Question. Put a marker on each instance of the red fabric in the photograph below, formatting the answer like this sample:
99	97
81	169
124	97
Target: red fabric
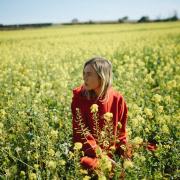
151	147
115	104
91	141
89	163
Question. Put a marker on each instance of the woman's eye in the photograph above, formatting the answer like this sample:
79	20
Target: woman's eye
87	75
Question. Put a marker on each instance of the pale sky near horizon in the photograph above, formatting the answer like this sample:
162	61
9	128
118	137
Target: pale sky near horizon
59	11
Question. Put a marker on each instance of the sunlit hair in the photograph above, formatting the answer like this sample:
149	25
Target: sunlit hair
103	68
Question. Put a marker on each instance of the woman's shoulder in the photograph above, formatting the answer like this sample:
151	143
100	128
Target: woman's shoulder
118	96
116	93
78	91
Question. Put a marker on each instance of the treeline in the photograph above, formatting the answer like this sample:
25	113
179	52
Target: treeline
125	19
147	19
23	26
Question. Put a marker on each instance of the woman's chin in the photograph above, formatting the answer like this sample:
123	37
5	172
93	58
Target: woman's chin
87	88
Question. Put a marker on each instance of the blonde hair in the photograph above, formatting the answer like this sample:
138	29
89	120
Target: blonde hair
103	68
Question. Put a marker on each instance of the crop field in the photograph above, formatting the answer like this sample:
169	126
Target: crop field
40	67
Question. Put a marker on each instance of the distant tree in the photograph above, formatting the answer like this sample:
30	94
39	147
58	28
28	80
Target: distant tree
120	20
123	19
158	19
90	22
144	19
174	17
74	21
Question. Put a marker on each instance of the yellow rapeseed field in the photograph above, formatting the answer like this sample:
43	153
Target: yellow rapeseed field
40	67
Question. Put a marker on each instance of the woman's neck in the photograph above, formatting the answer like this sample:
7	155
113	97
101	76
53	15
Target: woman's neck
97	91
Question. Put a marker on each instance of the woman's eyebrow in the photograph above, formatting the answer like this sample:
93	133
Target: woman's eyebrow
88	72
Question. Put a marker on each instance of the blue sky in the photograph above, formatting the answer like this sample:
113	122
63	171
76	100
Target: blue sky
59	11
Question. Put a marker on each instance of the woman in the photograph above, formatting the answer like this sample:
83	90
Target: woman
97	92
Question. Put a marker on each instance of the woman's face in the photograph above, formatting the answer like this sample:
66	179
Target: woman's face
91	79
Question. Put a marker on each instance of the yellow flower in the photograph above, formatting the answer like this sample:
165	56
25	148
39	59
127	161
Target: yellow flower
83	171
146	130
60	123
2	113
167	99
171	84
113	148
103	134
36	166
148	112
51	164
149	79
135	122
57	154
77	145
108	116
51	152
160	109
137	140
167	146
94	108
128	164
71	155
136	155
32	176
105	163
123	147
136	108
129	132
157	98
105	143
17	149
87	178
142	158
161	120
62	162
35	155
54	134
165	129
102	177
25	89
22	173
158	175
119	125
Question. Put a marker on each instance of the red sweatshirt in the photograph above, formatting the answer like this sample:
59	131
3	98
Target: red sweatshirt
115	104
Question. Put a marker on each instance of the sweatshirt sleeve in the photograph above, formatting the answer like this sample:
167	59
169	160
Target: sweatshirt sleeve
78	119
80	131
75	127
122	121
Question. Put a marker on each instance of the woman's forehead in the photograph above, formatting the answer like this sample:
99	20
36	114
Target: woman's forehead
88	68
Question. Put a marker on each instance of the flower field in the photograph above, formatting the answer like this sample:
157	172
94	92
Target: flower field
40	67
